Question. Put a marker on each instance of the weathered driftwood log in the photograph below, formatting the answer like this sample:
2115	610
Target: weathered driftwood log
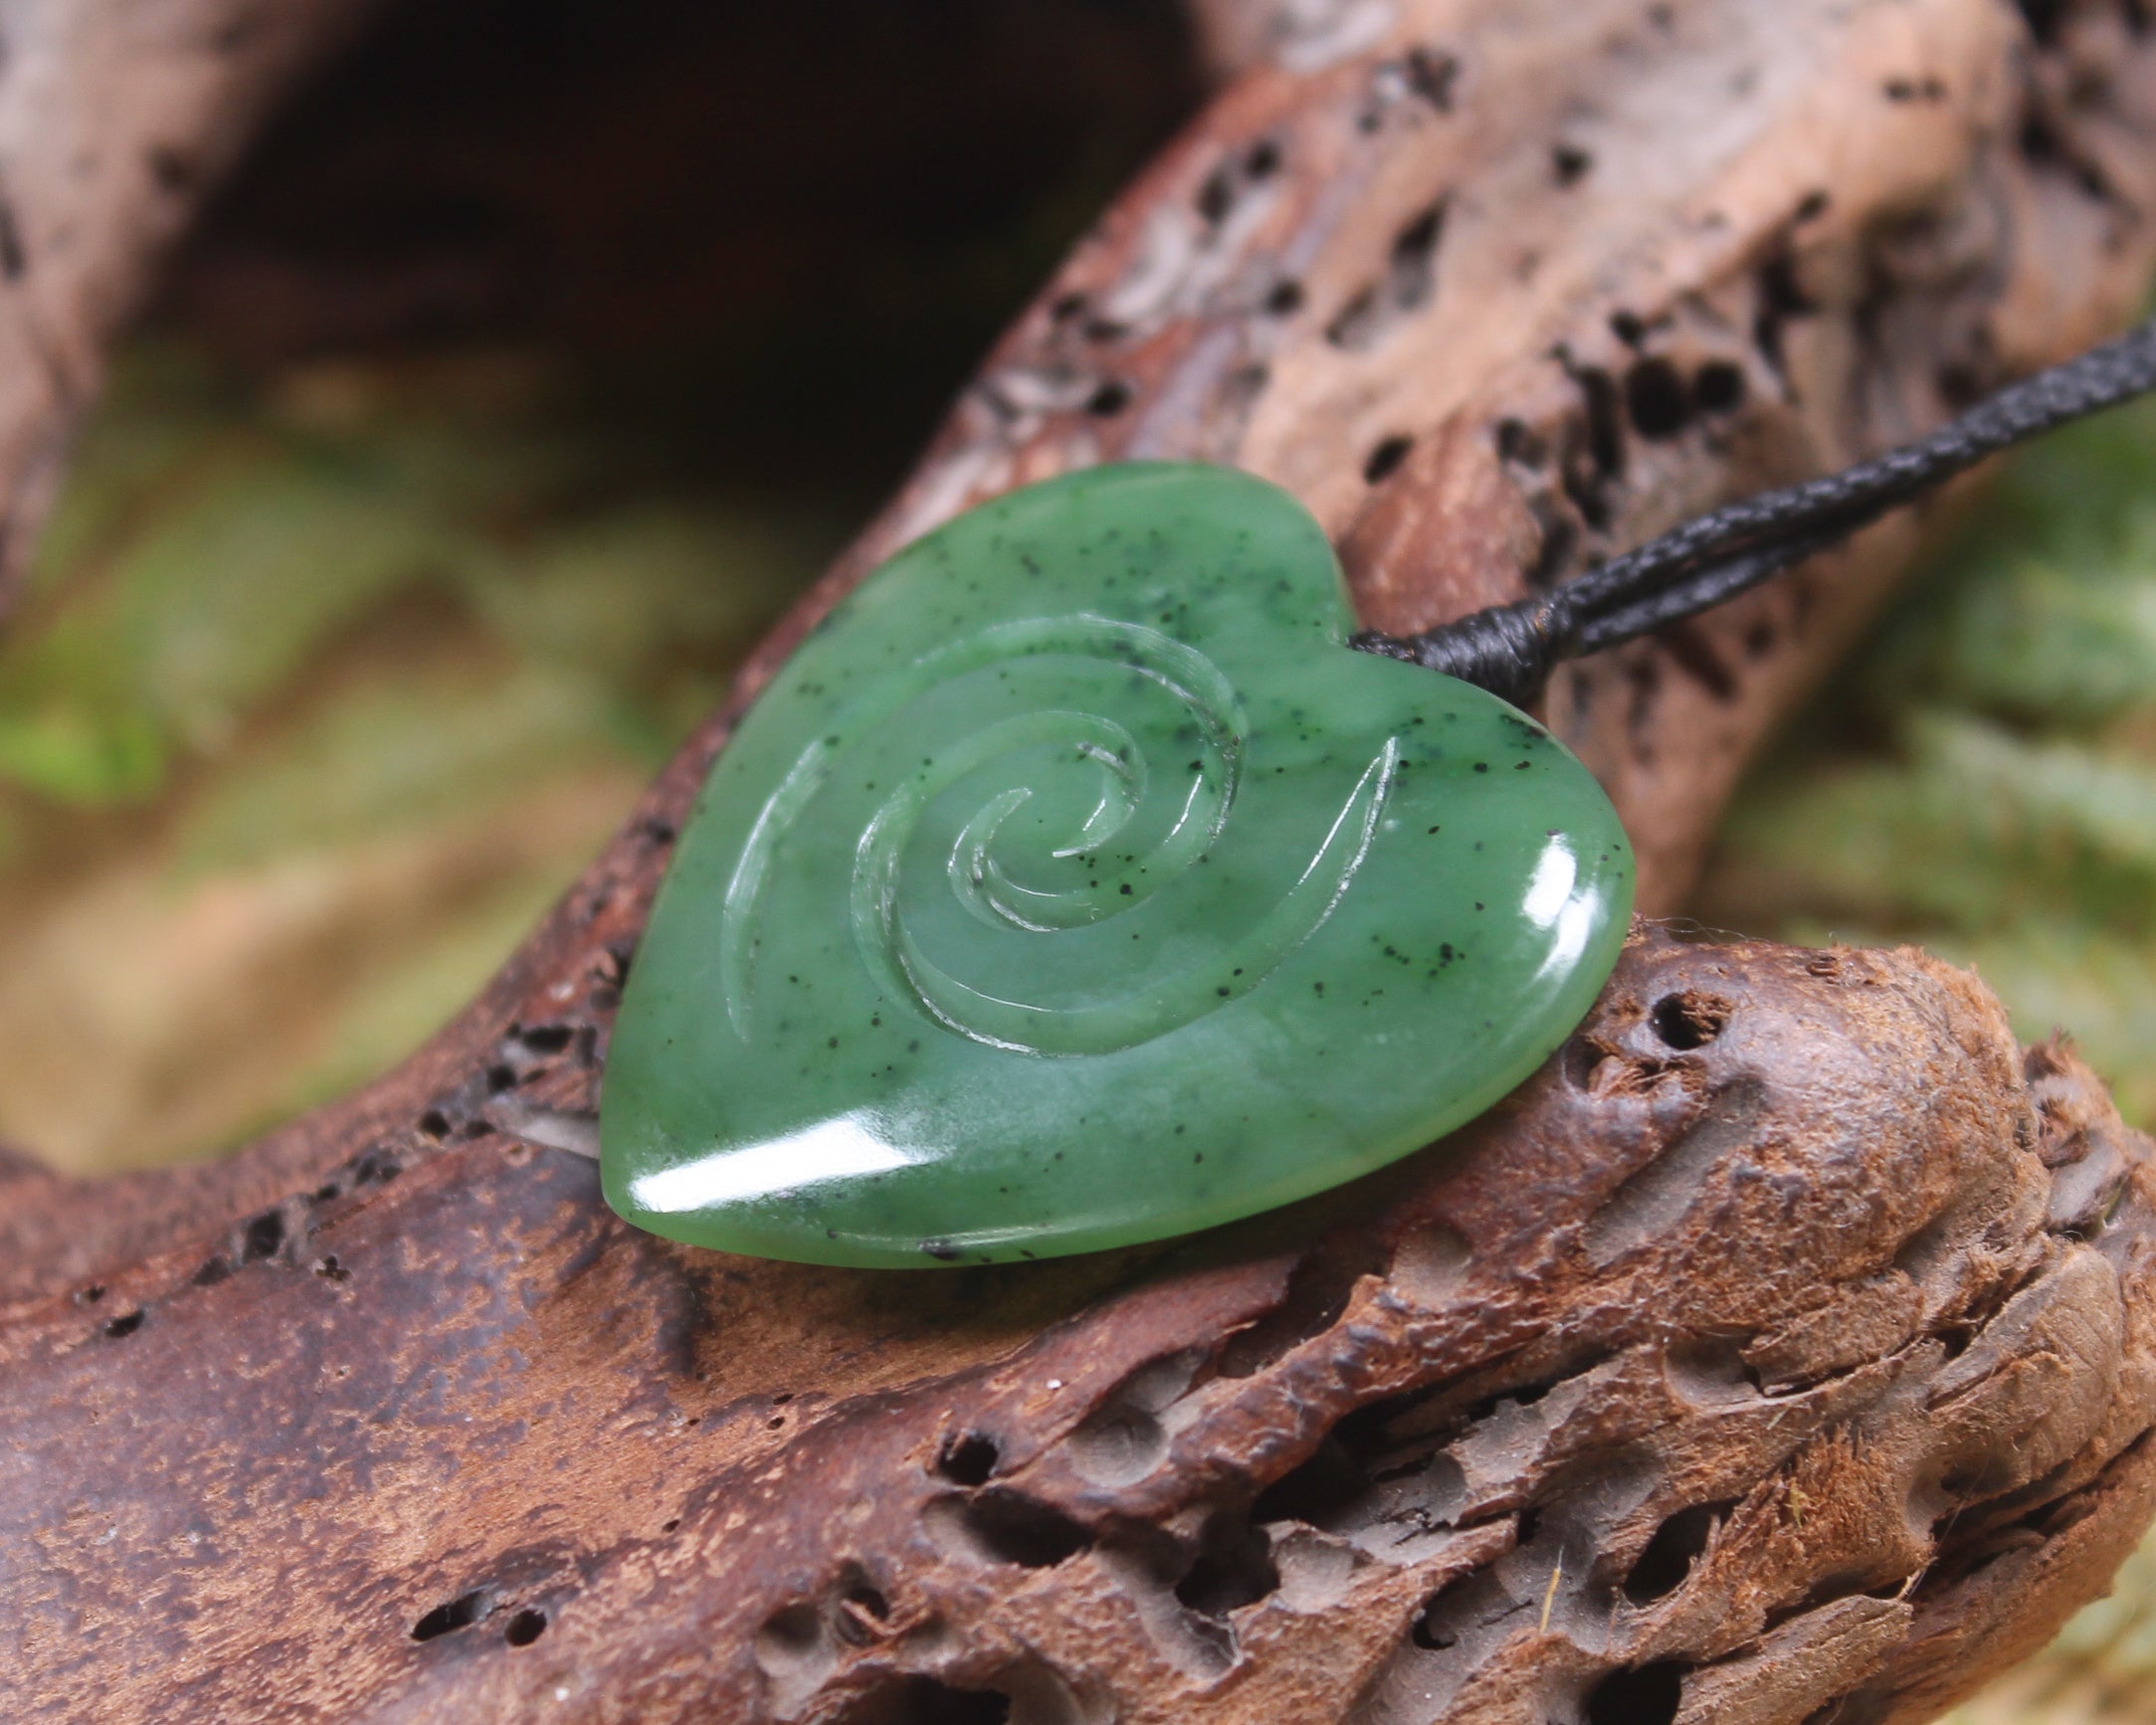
1781	1352
1787	1340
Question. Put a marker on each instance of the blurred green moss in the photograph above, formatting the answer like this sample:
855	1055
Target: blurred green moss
216	542
329	677
1981	780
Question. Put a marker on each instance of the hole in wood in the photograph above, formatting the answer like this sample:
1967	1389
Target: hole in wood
1670	1555
1233	1569
264	1236
459	1612
547	1038
968	1459
864	1614
1656	399
1108	400
1688	1020
1012	1528
925	1702
1718	387
1646	1696
1385	458
1432	72
1216	197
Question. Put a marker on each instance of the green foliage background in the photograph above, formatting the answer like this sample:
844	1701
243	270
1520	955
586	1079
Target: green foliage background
1981	780
331	679
328	682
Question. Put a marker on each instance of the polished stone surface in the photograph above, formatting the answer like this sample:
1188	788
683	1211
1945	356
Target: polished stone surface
1074	884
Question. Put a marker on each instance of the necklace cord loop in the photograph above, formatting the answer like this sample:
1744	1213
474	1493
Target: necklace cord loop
1511	649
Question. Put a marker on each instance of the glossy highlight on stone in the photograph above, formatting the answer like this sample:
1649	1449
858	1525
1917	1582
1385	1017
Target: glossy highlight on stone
1076	885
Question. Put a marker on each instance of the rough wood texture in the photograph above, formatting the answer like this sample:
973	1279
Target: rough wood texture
1787	1339
1782	1352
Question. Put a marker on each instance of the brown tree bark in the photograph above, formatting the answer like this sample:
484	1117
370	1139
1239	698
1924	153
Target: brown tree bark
1781	1352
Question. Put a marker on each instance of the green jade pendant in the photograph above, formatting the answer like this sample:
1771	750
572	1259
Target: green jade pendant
1077	884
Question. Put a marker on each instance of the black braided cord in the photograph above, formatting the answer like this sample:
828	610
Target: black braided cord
1511	649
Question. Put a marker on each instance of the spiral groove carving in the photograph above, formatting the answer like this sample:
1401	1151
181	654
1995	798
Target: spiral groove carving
1042	821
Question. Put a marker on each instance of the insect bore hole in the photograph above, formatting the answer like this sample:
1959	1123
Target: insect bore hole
1649	1695
1385	458
264	1238
1671	1554
925	1701
1689	1021
1108	400
460	1613
968	1459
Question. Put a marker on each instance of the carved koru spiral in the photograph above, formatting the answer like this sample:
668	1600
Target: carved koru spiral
1108	860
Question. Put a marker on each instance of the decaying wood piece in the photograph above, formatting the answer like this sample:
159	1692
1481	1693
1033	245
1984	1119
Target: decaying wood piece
115	119
1787	1339
1781	1352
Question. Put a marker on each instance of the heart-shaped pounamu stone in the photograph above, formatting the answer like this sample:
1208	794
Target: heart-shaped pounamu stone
1077	884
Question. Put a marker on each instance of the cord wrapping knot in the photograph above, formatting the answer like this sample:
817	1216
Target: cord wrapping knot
1508	649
